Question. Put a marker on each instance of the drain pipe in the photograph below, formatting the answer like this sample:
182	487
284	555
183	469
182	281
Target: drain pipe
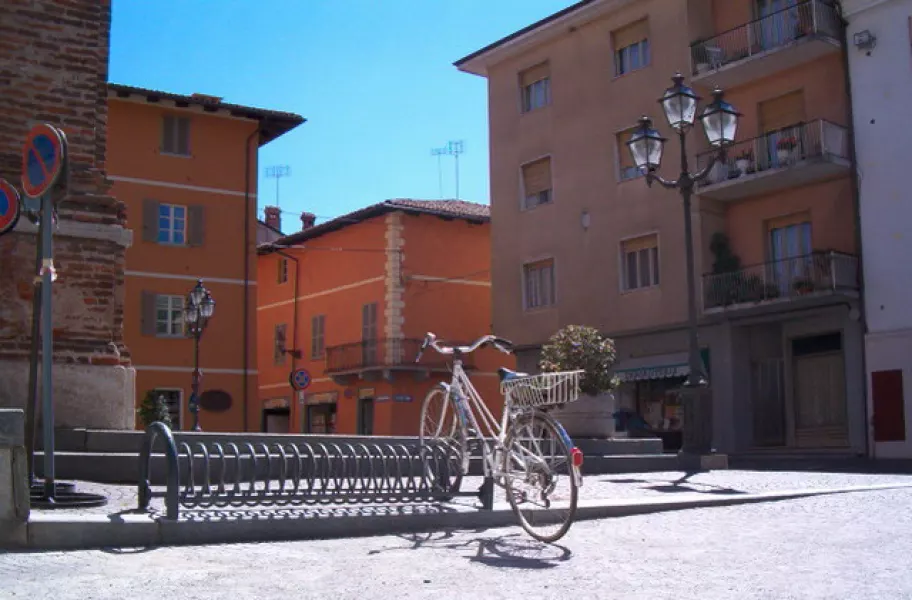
856	205
246	254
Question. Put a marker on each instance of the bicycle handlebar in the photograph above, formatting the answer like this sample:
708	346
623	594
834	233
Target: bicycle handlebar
502	344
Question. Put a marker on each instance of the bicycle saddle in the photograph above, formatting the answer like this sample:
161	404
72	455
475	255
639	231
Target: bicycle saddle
506	374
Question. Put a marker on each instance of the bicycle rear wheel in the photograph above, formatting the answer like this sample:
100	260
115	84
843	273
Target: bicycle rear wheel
540	479
443	440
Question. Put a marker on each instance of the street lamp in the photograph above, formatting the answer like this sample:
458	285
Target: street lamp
198	309
720	123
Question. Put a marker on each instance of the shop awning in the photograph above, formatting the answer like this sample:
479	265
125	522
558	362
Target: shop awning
657	366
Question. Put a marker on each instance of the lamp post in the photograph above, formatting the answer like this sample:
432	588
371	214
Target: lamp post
720	122
198	309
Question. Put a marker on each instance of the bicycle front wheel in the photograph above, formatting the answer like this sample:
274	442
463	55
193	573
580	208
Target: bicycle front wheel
540	479
443	440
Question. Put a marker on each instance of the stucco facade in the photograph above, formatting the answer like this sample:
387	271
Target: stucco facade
778	323
881	86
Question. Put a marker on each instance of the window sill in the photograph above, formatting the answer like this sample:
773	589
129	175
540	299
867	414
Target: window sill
174	154
525	209
172	244
645	288
163	336
536	110
634	178
539	309
629	73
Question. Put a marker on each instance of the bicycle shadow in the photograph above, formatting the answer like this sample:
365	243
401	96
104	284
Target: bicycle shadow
513	550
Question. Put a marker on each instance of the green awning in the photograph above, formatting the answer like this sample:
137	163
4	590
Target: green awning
658	366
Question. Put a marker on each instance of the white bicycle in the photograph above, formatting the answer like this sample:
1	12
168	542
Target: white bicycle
528	453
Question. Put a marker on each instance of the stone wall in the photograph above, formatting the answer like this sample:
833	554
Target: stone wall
54	69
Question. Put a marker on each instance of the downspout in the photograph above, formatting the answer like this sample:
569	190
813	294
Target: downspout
856	201
246	257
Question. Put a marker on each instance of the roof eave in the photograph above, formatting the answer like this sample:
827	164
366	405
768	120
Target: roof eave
478	62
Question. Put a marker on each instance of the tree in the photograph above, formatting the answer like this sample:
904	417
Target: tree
577	347
154	408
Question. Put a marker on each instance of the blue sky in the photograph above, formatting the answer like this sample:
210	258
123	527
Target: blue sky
374	78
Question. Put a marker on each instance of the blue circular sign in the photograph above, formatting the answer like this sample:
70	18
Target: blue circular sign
300	379
9	207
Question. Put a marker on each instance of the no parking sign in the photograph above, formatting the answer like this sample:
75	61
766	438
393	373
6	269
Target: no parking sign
42	159
300	379
9	207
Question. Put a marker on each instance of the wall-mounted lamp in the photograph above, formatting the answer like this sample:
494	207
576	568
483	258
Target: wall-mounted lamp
585	219
864	40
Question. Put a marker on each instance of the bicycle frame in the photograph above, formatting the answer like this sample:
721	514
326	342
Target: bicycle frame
468	403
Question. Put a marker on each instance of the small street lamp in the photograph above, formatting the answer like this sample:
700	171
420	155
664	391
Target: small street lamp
198	309
720	123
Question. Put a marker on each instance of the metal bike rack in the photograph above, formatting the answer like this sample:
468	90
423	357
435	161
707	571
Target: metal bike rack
223	474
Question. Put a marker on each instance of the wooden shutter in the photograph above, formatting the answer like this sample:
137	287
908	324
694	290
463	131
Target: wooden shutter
535	73
641	243
889	414
537	176
369	322
783	111
147	313
631	34
196	225
183	135
167	142
150	220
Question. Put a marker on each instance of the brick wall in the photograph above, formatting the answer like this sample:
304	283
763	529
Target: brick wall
54	68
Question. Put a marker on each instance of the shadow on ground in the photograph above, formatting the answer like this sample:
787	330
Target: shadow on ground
682	484
514	550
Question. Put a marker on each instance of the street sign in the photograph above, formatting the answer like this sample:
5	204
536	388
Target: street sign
42	159
300	379
9	207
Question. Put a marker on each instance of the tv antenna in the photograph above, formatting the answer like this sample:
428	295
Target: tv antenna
277	172
454	149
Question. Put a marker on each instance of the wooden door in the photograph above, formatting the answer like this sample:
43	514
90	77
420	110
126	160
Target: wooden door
820	400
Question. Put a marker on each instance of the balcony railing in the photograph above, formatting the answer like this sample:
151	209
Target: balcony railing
382	354
780	149
768	33
789	278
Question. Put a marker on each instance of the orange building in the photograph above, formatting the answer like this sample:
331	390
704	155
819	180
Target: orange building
185	166
350	300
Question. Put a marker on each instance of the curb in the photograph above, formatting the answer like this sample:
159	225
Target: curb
57	531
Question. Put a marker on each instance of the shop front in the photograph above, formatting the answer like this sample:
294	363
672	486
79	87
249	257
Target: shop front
649	398
319	414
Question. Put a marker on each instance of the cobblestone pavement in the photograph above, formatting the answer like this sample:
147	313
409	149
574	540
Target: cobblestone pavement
837	546
602	487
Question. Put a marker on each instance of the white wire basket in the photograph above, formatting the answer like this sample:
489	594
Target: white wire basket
543	389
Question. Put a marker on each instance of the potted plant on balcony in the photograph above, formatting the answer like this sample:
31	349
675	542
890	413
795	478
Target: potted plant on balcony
785	146
744	161
577	347
803	286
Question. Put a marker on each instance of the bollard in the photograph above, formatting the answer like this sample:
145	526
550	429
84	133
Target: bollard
14	481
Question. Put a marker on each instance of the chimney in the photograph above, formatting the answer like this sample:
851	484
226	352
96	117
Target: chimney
274	217
307	220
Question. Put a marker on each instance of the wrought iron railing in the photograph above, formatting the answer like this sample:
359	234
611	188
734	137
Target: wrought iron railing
808	18
388	352
779	149
786	278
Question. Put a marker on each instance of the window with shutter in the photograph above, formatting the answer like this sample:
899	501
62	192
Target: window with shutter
369	333
172	224
640	262
626	169
535	87
538	284
317	336
279	344
282	276
631	47
536	183
169	316
175	135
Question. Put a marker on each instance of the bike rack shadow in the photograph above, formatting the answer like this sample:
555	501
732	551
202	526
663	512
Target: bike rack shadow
682	484
511	550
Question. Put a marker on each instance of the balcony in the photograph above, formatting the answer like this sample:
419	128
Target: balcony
384	359
770	44
790	157
810	279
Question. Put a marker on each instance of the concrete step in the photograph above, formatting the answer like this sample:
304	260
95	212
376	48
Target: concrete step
618	446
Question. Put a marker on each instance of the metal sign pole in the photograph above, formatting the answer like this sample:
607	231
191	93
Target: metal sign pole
47	344
34	401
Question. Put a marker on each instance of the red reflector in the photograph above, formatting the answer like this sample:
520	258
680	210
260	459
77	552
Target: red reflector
577	457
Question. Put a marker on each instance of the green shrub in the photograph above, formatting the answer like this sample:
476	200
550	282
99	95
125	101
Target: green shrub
577	347
154	408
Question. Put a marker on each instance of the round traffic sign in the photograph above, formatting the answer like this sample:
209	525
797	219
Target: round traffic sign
9	207
300	379
42	159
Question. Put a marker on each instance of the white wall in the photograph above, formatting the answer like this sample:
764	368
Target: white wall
881	95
